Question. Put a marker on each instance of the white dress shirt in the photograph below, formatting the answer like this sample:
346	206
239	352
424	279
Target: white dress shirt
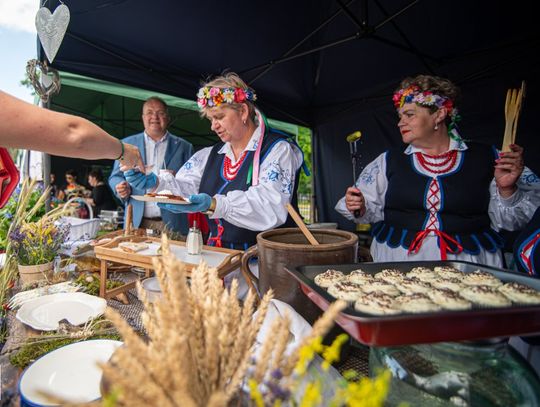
155	157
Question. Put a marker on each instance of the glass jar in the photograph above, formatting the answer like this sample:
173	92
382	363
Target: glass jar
485	373
194	241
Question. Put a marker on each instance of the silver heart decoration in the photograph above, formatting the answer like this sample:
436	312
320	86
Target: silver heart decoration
51	29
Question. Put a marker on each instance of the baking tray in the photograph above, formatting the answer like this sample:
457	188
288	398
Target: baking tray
441	326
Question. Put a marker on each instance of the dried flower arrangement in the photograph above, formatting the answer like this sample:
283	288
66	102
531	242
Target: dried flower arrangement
200	342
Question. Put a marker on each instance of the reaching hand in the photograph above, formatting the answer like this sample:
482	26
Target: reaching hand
199	203
508	169
138	180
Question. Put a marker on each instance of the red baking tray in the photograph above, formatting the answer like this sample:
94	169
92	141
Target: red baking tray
441	326
9	176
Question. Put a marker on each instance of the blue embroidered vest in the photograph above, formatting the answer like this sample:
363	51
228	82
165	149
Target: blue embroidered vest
213	182
465	197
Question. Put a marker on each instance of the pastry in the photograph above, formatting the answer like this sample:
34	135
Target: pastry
485	296
359	277
380	286
416	303
412	285
423	274
520	294
448	299
452	284
481	278
132	247
448	272
328	278
345	290
391	276
376	304
166	194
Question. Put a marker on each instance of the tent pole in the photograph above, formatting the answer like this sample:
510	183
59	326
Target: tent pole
355	36
290	50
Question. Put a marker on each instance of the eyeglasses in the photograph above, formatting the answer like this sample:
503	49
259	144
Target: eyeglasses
159	113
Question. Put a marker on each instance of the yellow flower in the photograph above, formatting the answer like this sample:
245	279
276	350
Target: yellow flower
255	393
312	395
306	354
331	353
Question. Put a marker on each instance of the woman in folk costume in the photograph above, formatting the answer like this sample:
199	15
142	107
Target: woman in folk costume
242	183
442	198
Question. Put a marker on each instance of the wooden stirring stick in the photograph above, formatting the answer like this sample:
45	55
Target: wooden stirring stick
300	223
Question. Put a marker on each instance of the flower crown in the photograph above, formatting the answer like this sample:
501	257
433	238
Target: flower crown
413	94
211	96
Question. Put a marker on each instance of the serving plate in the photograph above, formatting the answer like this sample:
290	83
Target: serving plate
44	313
145	198
440	326
69	373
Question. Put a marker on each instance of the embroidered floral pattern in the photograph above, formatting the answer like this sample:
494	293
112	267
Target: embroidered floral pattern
369	176
274	173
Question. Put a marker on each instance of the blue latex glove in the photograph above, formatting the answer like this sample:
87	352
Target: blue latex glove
199	203
140	181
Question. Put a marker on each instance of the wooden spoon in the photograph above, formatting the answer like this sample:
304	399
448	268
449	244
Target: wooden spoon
300	223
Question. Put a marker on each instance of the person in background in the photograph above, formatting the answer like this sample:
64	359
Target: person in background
160	150
102	197
72	189
59	133
242	183
441	198
53	186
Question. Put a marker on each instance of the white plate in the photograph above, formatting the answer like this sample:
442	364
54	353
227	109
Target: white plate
145	198
45	312
69	373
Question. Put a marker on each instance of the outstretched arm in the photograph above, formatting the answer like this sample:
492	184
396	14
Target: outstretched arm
23	125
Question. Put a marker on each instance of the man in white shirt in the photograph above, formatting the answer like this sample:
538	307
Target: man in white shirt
160	150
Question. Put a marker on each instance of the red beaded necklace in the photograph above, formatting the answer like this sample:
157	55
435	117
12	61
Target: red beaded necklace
231	170
446	163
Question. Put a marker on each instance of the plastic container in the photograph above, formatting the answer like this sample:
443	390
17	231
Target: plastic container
194	241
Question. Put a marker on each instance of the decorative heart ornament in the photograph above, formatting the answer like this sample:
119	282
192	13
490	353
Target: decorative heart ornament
51	29
46	84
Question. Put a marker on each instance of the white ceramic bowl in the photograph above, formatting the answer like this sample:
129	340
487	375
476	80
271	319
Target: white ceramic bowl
69	373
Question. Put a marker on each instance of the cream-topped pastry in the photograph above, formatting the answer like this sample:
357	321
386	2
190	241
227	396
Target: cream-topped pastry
328	278
485	296
345	290
423	274
416	303
412	285
452	284
391	276
448	299
448	272
520	294
359	277
380	286
376	304
481	278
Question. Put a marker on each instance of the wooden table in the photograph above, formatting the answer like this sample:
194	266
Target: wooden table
225	260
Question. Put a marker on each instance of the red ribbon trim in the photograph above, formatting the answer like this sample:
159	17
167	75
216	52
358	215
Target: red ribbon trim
444	238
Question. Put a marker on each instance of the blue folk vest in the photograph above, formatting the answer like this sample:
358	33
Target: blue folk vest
213	182
463	213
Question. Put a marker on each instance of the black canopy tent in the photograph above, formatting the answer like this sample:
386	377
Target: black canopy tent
329	65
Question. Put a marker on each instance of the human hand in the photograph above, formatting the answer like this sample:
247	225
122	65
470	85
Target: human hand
132	157
123	190
138	180
508	169
354	201
199	203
